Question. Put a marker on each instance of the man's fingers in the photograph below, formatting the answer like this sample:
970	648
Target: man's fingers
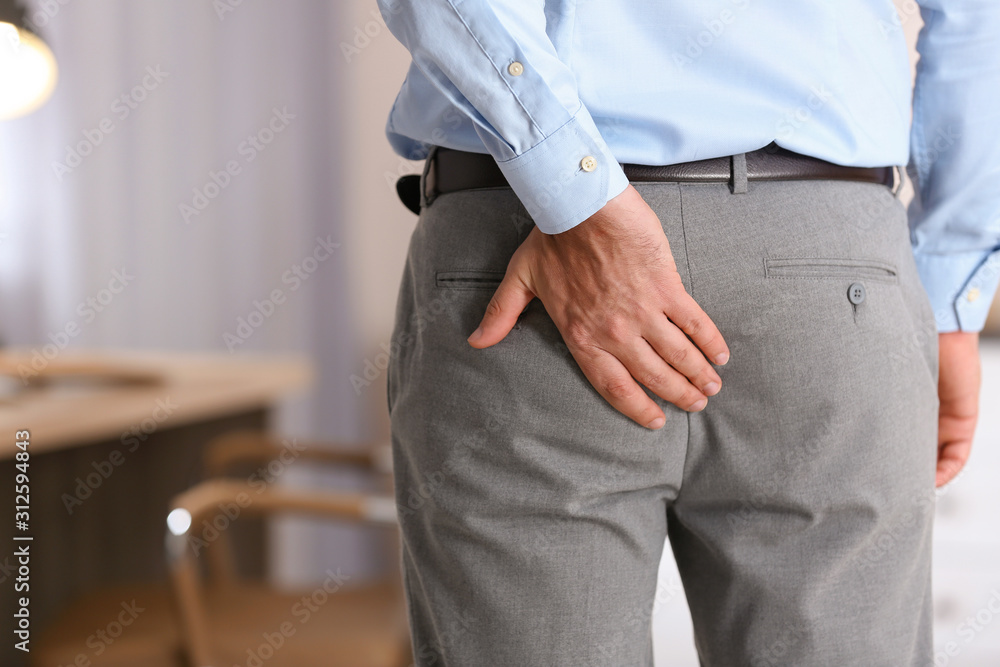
951	459
696	323
612	381
510	299
676	349
650	370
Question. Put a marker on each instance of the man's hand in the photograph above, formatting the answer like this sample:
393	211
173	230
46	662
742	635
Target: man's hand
611	287
958	389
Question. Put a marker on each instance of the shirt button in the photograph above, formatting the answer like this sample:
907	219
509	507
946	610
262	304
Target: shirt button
972	294
856	293
588	163
515	68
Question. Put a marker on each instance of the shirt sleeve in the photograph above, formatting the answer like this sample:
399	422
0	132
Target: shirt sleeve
495	62
955	160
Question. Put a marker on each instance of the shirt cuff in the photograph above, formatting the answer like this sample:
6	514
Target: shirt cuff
567	177
960	287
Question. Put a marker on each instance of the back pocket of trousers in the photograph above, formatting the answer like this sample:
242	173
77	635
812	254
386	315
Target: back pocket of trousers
469	279
829	267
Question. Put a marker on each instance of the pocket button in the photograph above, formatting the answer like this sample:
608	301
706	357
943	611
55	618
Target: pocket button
856	293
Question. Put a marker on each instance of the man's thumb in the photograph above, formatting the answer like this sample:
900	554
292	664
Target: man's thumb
511	297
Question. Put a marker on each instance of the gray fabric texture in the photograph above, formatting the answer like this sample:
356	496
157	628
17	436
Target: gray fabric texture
798	504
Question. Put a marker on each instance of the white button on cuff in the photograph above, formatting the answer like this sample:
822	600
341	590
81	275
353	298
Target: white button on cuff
588	163
972	294
515	68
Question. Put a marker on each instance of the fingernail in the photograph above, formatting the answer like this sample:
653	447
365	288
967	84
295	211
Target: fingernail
711	388
656	423
722	358
699	405
476	335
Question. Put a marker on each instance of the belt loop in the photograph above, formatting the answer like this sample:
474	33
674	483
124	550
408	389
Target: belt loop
738	179
898	176
428	180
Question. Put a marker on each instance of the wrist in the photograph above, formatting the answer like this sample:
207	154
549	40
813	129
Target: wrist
623	214
960	337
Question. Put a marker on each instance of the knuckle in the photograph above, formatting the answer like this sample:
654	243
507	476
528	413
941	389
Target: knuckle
694	326
677	356
705	373
617	328
714	340
577	334
493	308
618	388
677	395
654	379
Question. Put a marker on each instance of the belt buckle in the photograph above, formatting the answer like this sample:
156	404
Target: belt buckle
428	179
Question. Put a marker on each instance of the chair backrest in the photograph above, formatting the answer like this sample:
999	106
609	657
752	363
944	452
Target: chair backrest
193	506
235	450
239	447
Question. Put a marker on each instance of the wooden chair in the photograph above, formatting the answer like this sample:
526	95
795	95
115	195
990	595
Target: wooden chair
224	620
237	451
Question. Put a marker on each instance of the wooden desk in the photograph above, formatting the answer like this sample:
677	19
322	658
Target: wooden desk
194	388
106	459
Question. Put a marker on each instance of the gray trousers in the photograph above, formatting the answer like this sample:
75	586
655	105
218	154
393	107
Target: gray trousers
798	504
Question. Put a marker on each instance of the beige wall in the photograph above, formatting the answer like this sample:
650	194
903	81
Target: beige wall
378	225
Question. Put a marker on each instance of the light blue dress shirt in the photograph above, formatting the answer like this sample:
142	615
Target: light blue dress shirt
543	85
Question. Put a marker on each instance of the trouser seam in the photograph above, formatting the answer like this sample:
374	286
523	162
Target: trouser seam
687	261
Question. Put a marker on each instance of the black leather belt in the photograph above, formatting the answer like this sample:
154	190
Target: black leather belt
449	170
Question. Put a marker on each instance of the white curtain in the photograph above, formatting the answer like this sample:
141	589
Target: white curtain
102	232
